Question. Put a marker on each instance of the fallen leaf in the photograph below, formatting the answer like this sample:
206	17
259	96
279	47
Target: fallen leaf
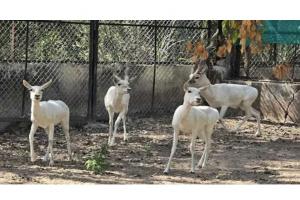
221	51
189	47
228	45
258	37
281	71
243	44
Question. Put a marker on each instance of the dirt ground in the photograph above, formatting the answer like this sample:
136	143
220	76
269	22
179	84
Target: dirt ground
235	158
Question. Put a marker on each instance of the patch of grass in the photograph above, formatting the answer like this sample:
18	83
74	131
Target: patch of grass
148	150
98	163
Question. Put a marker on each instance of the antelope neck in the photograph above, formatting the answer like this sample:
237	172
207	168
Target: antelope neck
118	95
187	108
35	107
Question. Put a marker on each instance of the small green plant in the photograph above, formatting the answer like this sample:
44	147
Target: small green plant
98	161
148	150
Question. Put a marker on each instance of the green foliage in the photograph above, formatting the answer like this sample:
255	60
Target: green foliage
57	42
98	161
244	32
229	27
47	41
70	42
148	150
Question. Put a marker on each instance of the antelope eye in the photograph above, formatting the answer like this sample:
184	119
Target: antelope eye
119	84
30	90
196	77
189	91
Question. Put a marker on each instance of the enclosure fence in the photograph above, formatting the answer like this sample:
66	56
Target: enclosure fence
261	65
81	56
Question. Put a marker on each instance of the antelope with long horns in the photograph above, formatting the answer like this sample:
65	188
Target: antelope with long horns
116	100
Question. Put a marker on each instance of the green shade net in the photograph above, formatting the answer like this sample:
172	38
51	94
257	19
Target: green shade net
281	31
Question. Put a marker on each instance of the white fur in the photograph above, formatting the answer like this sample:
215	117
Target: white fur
47	114
227	95
221	70
116	100
198	121
222	67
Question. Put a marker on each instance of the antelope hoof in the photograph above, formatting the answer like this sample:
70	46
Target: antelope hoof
51	163
45	158
33	158
111	144
192	171
232	131
257	134
199	165
166	171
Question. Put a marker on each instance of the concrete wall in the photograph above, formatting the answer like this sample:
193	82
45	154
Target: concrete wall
70	84
278	102
168	92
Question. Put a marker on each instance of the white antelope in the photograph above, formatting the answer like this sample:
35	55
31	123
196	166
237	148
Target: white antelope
47	114
226	95
116	100
198	121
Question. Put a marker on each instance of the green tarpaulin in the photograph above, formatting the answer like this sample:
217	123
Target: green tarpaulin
281	31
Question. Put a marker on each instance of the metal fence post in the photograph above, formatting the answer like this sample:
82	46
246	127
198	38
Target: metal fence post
275	53
93	59
220	27
235	61
154	67
294	62
208	42
208	31
25	70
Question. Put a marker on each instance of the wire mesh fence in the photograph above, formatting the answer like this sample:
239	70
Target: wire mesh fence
81	56
262	65
12	52
155	54
63	51
38	52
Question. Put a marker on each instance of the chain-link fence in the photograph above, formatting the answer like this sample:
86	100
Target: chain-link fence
80	57
155	52
262	66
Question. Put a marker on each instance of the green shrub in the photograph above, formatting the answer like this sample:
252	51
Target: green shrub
98	161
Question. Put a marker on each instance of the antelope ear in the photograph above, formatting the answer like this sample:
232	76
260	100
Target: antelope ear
116	79
27	85
192	70
196	67
132	79
126	71
204	88
185	86
202	68
46	85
